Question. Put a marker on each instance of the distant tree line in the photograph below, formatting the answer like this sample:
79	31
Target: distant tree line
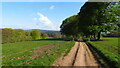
18	35
93	19
112	34
53	34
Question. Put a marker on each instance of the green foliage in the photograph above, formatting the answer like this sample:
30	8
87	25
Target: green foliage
93	18
69	26
7	35
16	35
86	39
97	17
56	35
35	34
44	35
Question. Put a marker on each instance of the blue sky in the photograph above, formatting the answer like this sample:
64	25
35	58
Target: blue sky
37	15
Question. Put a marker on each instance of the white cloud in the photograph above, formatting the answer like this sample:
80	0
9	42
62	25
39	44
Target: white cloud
34	19
46	22
52	7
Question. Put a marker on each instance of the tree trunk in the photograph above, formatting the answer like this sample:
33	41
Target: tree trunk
73	38
99	34
94	36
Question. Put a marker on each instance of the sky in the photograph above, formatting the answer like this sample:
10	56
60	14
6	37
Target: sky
37	15
45	0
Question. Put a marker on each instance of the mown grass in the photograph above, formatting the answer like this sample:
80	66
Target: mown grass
19	53
108	48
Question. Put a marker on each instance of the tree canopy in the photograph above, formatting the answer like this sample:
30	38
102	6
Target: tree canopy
35	34
69	26
93	18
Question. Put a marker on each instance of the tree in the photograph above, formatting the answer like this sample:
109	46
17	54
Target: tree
7	35
69	26
17	35
44	35
97	17
20	35
28	35
35	34
93	18
56	35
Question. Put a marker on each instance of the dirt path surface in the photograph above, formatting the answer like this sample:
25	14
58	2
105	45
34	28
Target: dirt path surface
79	55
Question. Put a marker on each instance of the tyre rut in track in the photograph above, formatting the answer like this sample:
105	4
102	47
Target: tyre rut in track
79	55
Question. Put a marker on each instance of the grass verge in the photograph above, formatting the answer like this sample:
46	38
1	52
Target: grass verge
108	50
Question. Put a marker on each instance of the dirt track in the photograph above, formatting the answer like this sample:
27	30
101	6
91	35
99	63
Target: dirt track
79	55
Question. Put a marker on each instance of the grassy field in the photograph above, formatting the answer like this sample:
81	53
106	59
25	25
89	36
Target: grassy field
20	53
109	48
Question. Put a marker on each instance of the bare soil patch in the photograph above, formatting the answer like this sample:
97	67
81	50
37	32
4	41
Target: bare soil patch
40	50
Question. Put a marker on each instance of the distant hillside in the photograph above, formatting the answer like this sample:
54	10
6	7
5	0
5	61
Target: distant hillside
45	31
